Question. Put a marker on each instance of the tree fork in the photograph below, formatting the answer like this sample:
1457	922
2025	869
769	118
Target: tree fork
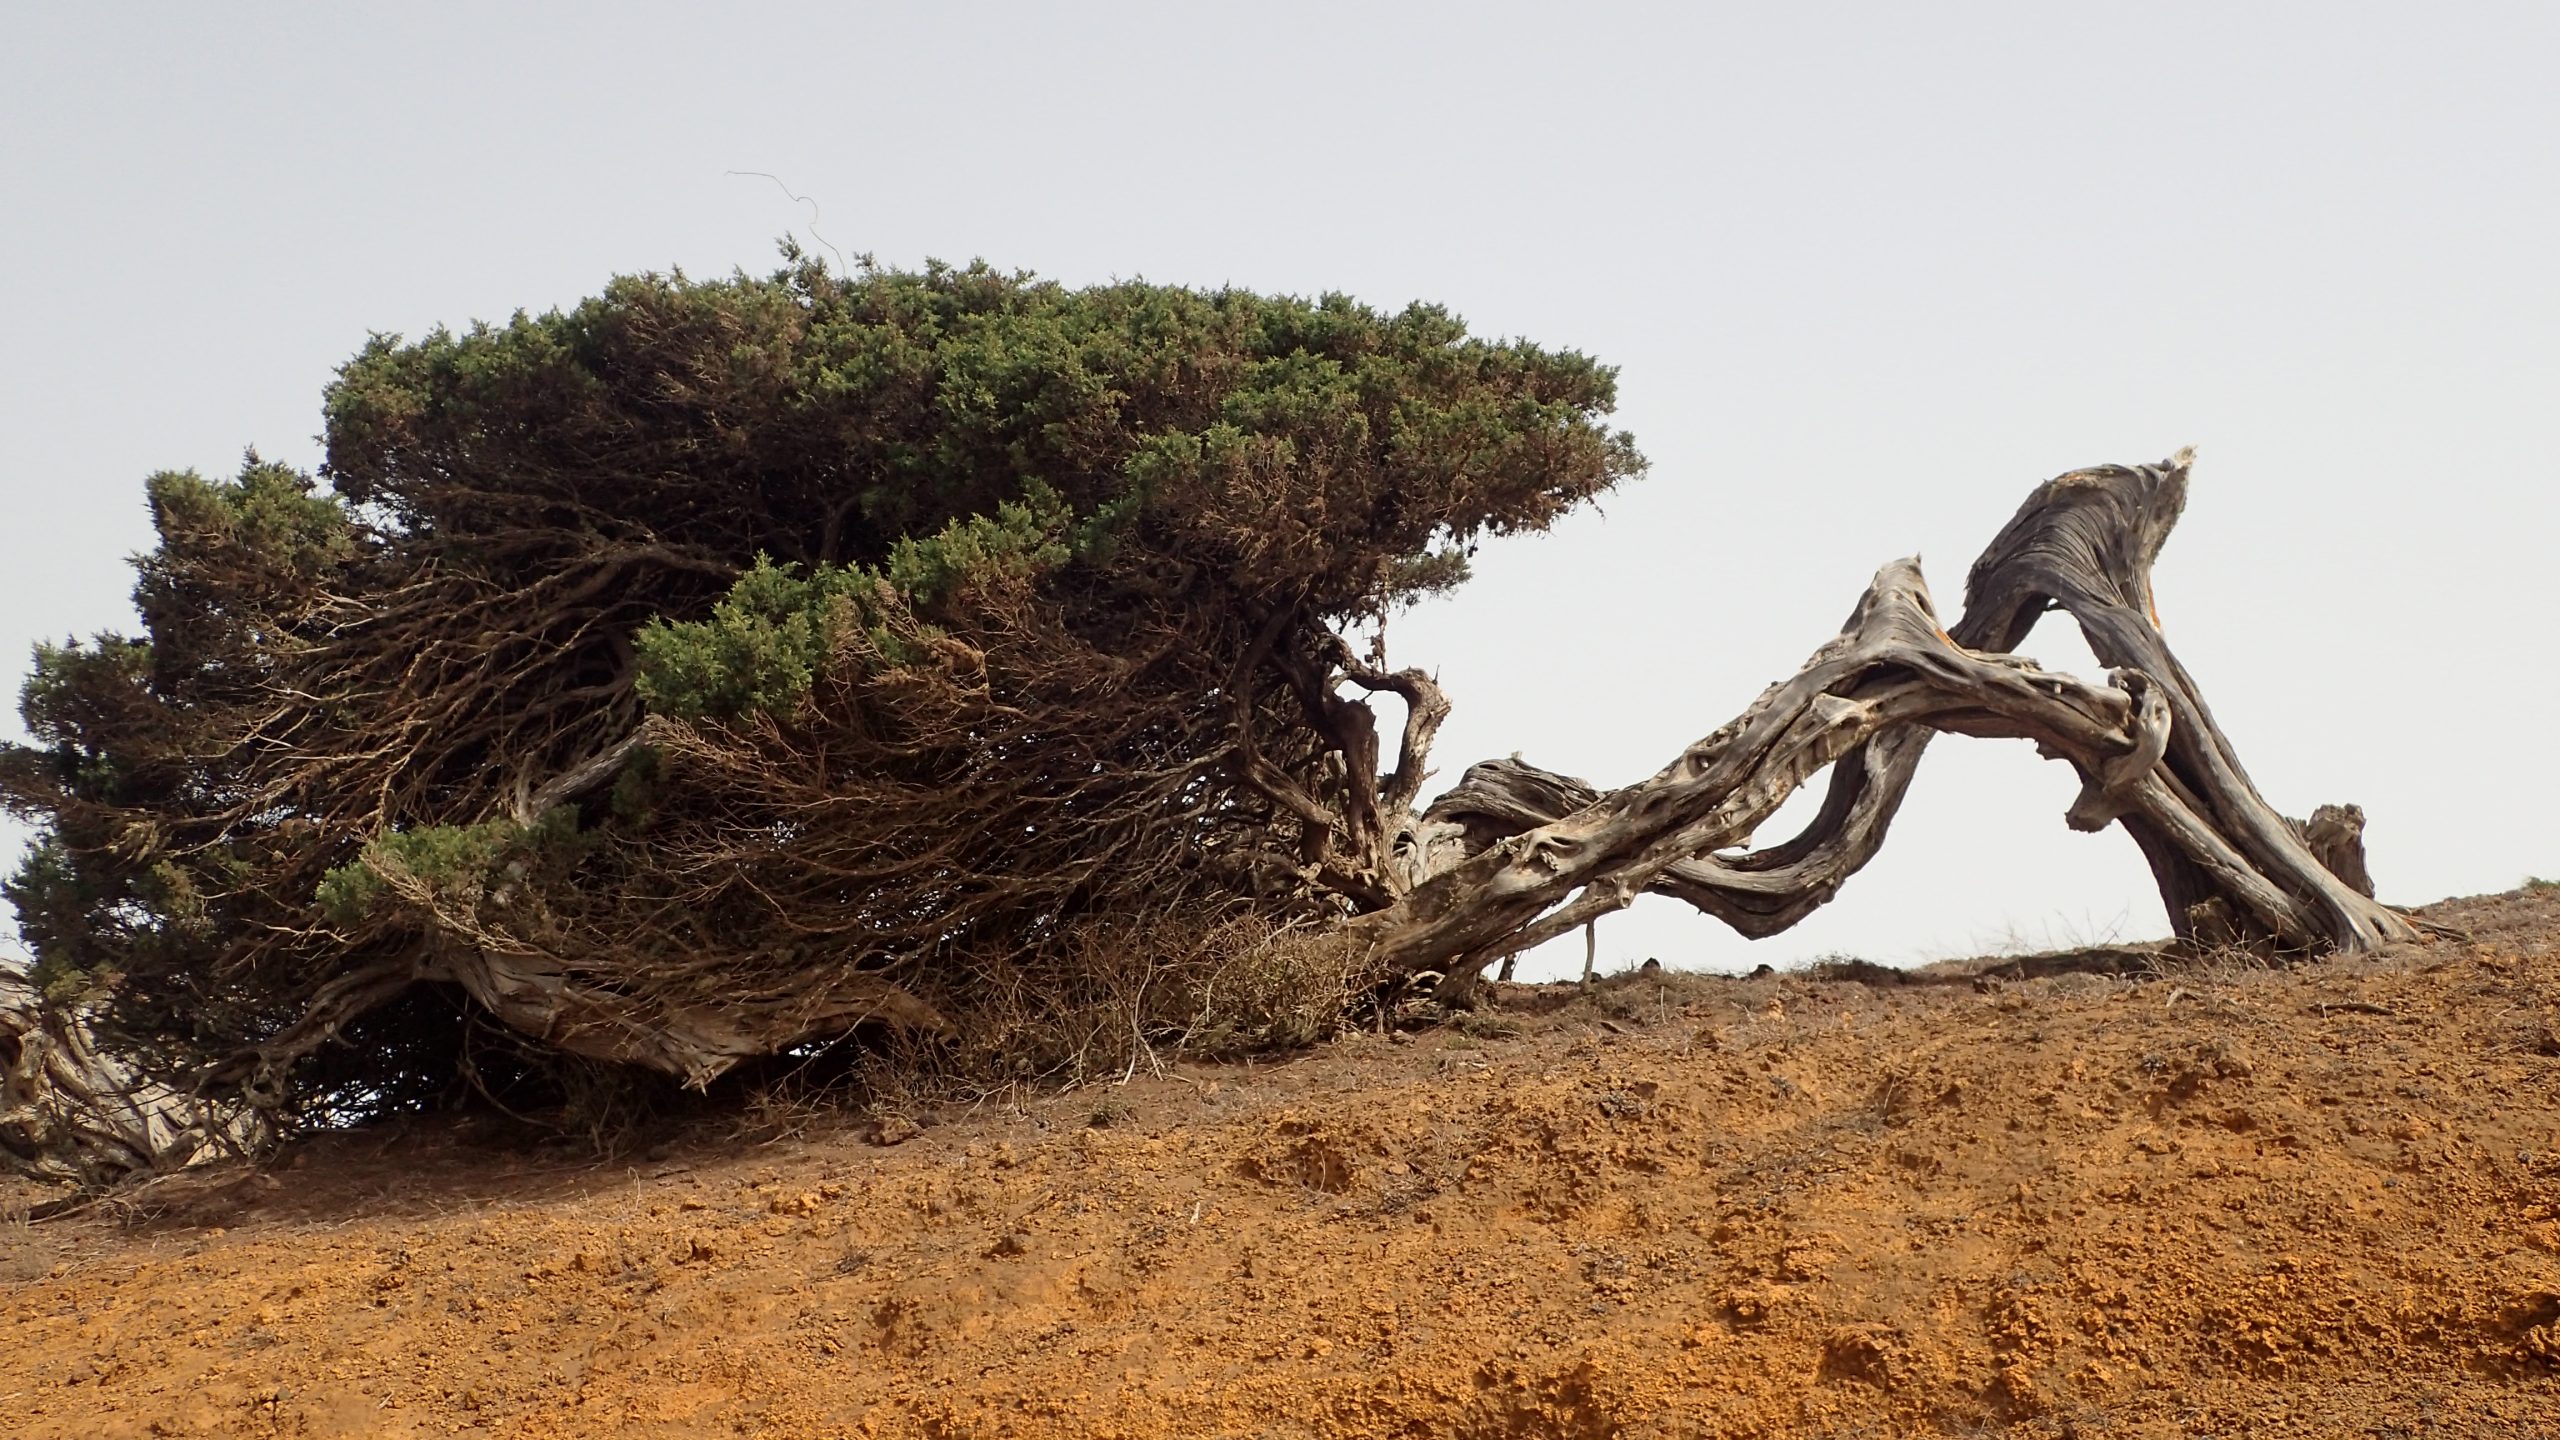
1515	855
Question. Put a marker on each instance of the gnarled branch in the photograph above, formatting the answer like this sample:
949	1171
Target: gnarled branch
1516	855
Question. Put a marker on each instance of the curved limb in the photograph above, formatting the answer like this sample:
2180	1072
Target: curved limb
1520	855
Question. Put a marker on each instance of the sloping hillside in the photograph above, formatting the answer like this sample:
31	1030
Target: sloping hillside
2215	1201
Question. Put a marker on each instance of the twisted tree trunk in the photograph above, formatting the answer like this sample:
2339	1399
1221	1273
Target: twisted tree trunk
1515	855
72	1112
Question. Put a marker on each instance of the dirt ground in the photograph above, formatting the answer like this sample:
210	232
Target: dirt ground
2217	1201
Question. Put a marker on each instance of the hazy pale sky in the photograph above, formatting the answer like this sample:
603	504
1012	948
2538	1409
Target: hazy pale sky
1869	271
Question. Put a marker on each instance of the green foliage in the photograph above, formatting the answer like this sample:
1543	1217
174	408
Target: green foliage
761	648
823	419
441	859
1022	540
77	701
1430	573
55	901
234	556
152	849
268	519
767	640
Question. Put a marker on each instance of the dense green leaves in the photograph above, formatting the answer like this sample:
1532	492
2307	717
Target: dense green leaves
822	419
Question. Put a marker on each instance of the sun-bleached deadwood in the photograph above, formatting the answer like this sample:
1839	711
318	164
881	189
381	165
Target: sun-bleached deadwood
1516	855
73	1112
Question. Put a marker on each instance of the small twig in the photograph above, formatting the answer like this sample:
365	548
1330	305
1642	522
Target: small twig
2354	1007
801	199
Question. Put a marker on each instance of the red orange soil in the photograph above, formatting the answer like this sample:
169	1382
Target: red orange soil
2221	1202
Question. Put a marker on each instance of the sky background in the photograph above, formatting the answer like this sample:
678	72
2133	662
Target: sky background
1870	272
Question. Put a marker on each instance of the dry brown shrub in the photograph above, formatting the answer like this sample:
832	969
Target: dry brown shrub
1120	995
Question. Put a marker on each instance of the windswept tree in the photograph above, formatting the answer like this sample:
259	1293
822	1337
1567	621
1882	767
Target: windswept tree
718	668
955	662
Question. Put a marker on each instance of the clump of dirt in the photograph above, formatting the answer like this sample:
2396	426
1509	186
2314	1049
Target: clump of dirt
2065	1200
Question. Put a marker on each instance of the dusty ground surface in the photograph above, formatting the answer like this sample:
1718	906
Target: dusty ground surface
2216	1202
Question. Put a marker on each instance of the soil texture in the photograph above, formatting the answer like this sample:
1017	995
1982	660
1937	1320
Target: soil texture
2077	1197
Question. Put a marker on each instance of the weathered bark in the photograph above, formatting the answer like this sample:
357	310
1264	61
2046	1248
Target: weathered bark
1515	855
2335	834
71	1112
563	1005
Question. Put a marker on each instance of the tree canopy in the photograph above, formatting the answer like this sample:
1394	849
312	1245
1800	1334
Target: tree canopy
717	669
